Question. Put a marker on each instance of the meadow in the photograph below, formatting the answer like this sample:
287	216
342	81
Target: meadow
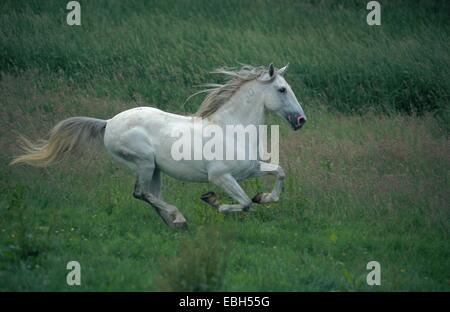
368	177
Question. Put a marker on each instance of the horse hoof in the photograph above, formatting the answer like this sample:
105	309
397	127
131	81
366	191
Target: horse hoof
210	198
258	198
179	222
179	225
205	197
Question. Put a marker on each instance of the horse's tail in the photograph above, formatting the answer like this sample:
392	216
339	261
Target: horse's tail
66	137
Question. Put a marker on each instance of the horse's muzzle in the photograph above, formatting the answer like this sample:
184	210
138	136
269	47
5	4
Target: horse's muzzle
296	120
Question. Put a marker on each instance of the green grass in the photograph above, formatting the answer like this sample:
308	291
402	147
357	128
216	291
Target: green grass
368	178
158	49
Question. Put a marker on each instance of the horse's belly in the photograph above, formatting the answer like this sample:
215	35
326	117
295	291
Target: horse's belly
186	170
241	169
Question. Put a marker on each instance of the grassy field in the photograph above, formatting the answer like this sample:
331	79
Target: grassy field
368	177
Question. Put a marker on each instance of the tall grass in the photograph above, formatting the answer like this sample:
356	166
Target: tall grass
200	264
157	50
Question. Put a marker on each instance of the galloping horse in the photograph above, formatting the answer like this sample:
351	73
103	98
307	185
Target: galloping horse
141	138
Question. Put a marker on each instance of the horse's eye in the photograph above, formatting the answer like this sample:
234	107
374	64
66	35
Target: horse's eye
282	89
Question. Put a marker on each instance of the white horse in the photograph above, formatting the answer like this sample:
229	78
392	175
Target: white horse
141	138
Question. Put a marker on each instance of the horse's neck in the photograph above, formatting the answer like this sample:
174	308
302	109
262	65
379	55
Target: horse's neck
245	107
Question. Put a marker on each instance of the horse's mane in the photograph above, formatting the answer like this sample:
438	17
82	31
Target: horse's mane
218	94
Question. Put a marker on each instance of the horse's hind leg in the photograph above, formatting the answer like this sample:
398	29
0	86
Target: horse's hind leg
147	188
169	213
154	186
134	149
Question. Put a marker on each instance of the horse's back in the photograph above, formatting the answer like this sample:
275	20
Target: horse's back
147	133
149	119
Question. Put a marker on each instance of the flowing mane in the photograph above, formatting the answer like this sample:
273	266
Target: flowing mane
218	94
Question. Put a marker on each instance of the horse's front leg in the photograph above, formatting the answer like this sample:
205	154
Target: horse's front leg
270	169
232	188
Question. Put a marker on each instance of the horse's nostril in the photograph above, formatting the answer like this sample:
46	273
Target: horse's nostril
301	120
296	120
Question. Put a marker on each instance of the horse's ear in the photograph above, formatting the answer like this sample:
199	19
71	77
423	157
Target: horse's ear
283	70
271	70
269	75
